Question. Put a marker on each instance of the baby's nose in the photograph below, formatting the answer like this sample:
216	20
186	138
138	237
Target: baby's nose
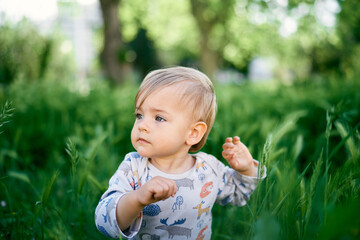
143	125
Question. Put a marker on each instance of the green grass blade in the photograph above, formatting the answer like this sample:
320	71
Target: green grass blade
81	183
349	143
281	202
47	190
96	183
95	149
20	176
7	111
259	209
313	181
343	141
299	145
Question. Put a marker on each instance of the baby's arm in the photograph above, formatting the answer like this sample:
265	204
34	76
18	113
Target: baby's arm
238	156
131	204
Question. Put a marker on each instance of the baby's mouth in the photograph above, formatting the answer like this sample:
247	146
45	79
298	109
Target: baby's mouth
142	140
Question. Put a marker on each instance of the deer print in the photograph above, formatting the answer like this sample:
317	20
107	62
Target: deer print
185	182
174	230
200	165
201	210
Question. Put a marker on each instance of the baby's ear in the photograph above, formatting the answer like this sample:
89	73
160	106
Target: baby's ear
197	132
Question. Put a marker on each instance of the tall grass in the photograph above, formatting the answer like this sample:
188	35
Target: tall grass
59	147
302	197
5	115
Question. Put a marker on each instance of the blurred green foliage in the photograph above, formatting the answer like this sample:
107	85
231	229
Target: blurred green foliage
161	33
243	30
27	54
55	113
62	145
169	24
172	27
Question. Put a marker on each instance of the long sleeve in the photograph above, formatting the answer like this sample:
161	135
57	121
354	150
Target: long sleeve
123	181
234	188
188	213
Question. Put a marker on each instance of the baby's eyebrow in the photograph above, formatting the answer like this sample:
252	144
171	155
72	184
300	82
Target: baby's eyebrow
152	109
158	110
137	108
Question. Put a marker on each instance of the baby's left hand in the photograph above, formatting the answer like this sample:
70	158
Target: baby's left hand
238	156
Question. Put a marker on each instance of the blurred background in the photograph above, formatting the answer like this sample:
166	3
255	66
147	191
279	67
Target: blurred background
233	40
287	78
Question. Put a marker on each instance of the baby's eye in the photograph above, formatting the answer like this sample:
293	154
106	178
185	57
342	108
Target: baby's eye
160	119
138	116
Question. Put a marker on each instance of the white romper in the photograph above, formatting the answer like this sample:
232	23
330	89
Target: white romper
185	216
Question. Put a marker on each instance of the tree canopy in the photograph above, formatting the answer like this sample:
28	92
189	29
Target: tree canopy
306	37
303	38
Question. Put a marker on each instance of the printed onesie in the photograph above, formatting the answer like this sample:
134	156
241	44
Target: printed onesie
185	216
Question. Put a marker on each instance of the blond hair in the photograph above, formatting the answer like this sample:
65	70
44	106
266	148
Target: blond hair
198	93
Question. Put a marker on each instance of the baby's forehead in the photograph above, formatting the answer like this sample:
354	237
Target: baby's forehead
179	91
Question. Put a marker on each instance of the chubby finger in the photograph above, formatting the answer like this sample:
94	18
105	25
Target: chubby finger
228	146
236	140
162	191
228	140
172	188
227	154
163	188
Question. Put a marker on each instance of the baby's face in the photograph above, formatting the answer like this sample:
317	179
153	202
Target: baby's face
162	124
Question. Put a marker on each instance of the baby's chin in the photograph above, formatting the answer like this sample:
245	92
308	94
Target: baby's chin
143	153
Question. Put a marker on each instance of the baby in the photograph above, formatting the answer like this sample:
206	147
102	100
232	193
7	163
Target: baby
161	191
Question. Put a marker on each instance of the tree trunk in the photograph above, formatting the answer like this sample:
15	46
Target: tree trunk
112	41
209	58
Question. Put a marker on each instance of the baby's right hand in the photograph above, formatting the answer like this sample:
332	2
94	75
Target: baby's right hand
158	188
